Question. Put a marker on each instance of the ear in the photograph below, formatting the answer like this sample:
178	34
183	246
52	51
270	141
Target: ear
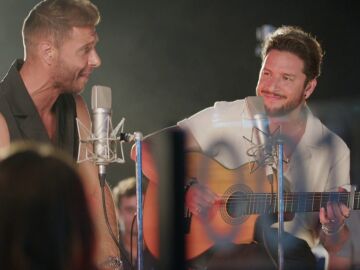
47	52
309	88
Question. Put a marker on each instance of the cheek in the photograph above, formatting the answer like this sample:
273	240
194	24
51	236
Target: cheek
260	81
83	61
263	83
259	86
298	93
76	65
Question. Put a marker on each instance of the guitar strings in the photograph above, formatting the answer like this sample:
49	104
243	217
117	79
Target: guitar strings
302	201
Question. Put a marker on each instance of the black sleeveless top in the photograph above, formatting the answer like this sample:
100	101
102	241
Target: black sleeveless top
24	121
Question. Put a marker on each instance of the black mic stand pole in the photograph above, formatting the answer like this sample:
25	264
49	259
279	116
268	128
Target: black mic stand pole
280	201
139	211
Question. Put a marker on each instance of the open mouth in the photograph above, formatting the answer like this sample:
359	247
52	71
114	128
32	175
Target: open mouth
85	75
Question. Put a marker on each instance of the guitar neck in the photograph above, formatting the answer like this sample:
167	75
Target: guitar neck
267	203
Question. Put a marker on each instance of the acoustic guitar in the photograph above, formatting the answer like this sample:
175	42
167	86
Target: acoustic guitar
245	194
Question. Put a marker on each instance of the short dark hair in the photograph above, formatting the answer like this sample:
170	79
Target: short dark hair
55	18
45	219
293	39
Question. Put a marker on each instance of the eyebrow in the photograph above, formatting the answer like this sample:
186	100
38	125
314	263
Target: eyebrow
283	74
91	43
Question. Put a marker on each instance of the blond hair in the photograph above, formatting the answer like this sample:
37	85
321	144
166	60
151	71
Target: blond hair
125	188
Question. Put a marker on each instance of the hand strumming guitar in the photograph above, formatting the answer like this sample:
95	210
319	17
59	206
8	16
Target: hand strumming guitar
199	198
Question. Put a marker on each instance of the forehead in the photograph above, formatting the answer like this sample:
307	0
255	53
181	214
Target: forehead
284	62
86	34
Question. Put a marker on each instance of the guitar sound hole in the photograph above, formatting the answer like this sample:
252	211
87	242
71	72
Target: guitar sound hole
235	209
237	205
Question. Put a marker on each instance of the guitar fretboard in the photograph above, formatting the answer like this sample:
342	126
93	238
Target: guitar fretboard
266	203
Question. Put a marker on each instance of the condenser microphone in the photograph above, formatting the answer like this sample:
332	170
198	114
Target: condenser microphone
255	105
261	124
105	139
101	125
102	143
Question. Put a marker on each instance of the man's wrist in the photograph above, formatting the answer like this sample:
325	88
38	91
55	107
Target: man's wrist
327	230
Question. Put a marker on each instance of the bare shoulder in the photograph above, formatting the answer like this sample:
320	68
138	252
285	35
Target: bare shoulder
82	114
82	109
4	132
84	127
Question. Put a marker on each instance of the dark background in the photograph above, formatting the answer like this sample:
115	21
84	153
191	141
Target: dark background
166	60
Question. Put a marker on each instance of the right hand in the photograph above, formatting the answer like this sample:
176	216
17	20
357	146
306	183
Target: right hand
199	198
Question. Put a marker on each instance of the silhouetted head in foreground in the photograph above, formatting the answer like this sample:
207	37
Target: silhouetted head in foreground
45	220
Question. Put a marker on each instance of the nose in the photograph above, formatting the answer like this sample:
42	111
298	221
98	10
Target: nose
94	59
273	85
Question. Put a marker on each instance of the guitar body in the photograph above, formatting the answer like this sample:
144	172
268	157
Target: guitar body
223	222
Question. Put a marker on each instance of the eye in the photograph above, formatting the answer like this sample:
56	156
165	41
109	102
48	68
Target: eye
266	73
288	78
87	49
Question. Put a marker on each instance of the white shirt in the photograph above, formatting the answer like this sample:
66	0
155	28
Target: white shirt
320	162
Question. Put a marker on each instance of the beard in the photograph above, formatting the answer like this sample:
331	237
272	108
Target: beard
67	79
286	108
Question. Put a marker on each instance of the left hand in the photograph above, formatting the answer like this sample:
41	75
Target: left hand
333	217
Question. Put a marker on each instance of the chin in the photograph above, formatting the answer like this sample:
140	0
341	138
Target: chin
75	90
80	84
78	88
271	111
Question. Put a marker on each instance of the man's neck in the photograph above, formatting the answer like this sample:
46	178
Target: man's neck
292	126
39	85
289	121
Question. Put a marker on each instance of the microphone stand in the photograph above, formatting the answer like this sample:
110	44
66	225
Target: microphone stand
280	201
139	211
